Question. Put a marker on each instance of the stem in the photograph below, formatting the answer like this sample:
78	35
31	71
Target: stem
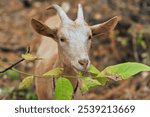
68	76
10	67
28	74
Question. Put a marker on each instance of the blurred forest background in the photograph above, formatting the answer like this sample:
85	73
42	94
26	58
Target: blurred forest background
129	42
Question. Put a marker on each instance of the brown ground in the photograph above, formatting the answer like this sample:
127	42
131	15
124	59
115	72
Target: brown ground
16	35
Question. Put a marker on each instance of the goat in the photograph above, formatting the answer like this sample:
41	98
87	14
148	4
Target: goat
65	43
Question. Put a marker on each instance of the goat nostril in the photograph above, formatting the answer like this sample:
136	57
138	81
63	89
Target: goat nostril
83	62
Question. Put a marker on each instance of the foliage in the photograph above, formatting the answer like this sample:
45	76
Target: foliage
124	70
94	72
63	89
26	83
28	57
93	77
88	82
54	72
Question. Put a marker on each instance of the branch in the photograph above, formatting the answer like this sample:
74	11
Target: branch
10	67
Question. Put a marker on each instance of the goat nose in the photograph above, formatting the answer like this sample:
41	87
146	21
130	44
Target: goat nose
83	62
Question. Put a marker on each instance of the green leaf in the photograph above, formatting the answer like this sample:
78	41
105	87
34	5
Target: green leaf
124	70
95	74
26	83
12	74
54	72
102	80
29	57
92	69
88	82
63	89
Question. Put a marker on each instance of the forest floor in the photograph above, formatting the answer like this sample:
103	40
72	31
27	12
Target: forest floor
129	42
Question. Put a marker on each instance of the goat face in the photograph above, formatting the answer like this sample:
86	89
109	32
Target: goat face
74	41
74	37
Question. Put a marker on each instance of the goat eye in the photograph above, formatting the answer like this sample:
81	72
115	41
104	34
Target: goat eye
62	39
90	37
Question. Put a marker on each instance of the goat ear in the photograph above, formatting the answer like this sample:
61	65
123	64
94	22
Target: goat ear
42	29
105	27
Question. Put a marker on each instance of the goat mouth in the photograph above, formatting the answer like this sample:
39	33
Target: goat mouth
75	69
78	70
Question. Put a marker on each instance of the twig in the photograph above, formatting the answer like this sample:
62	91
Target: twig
71	76
10	67
30	74
28	49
